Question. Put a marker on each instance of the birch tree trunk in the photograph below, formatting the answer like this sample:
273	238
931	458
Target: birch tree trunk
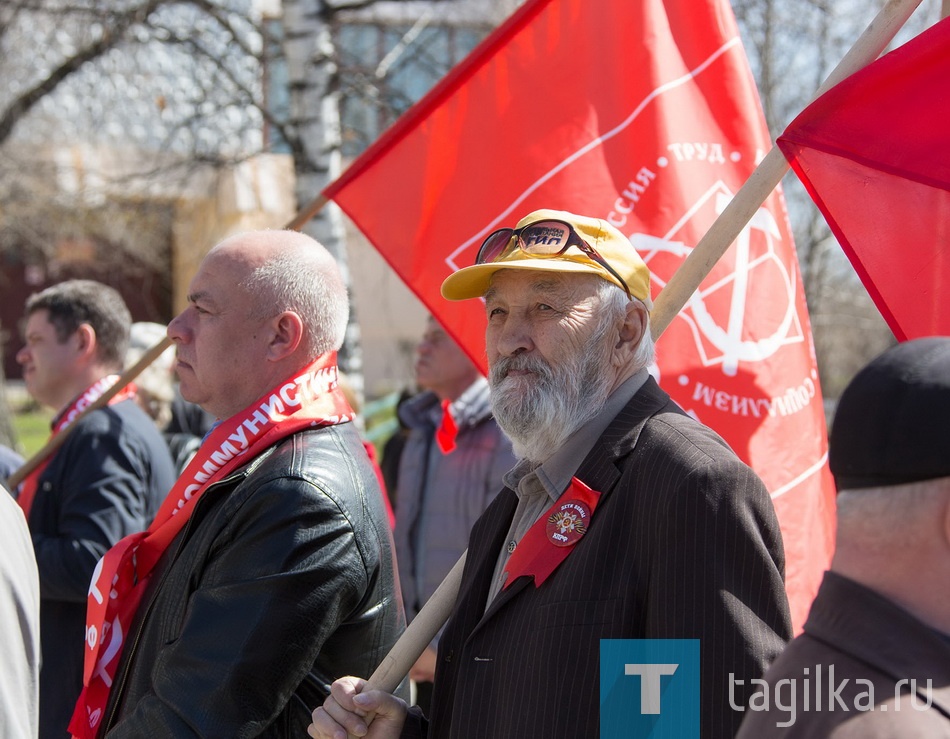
315	120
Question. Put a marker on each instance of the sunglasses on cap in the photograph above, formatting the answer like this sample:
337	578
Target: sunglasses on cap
549	238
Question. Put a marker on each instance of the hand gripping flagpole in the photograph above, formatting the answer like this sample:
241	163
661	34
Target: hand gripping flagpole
669	302
302	217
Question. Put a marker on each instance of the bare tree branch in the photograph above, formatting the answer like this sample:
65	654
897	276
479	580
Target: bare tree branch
112	34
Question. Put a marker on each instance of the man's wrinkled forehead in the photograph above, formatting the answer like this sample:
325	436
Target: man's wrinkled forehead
221	275
512	284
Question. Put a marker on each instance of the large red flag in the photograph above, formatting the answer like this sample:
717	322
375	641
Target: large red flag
644	113
873	154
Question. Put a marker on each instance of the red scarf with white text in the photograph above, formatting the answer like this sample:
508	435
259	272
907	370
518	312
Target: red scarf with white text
86	398
311	398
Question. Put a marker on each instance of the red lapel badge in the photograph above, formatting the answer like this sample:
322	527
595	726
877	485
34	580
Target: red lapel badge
568	523
553	536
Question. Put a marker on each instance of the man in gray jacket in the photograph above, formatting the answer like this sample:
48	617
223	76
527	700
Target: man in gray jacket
450	469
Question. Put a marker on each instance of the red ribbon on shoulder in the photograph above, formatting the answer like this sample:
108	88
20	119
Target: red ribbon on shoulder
553	536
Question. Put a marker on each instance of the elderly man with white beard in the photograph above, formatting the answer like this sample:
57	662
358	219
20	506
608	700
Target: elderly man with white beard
623	519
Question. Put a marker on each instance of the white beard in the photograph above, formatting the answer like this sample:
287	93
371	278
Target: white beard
539	412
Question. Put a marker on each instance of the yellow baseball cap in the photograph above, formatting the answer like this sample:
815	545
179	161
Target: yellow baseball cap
611	245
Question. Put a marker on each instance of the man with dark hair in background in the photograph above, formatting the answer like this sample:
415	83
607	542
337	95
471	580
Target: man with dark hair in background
107	479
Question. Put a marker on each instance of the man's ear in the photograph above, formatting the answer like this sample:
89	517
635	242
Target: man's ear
87	343
287	334
630	333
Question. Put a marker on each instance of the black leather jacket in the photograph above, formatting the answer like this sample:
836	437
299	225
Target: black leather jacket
282	581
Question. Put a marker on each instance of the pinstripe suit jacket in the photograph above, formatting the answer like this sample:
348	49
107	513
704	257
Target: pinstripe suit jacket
684	544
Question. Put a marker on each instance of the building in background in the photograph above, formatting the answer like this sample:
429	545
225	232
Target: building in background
144	157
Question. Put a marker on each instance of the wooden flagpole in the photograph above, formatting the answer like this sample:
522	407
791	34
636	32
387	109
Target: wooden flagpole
306	213
669	302
302	217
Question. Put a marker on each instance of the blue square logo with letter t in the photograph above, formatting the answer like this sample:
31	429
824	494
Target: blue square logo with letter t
649	688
